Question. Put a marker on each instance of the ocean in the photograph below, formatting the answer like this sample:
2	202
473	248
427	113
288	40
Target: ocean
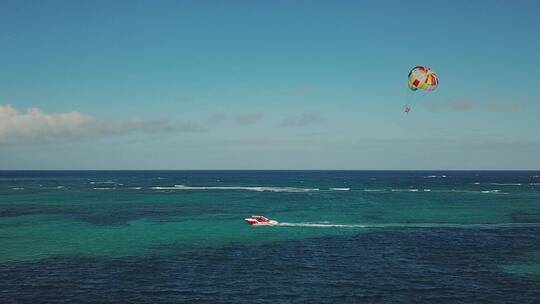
343	237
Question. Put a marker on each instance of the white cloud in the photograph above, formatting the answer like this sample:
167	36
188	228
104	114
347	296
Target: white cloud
301	120
36	126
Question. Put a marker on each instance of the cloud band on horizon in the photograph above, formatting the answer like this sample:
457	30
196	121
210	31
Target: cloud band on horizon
36	126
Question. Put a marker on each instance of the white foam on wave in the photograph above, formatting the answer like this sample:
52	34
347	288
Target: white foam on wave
102	188
494	191
52	187
506	184
435	176
17	188
135	188
405	190
238	188
491	191
340	189
398	190
103	182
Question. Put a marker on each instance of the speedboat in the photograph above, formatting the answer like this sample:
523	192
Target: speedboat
257	220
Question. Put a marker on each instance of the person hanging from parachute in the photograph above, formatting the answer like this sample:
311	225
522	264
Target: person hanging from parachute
407	109
421	78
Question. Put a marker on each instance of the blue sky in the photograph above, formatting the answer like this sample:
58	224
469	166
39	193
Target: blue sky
268	85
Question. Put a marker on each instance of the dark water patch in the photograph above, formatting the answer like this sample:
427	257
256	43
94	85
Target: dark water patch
525	217
122	213
104	214
417	265
13	210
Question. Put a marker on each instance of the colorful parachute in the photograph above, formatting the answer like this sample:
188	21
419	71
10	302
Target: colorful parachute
421	77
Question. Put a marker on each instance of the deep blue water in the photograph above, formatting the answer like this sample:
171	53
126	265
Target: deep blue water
348	237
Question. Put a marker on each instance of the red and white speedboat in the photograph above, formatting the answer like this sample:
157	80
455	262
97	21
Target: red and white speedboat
257	220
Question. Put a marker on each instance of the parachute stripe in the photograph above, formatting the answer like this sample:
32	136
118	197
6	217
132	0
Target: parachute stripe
421	77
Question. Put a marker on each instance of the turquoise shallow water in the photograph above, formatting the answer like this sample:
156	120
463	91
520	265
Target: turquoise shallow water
458	236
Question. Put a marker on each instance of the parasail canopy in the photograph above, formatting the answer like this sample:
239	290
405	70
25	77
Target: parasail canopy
423	78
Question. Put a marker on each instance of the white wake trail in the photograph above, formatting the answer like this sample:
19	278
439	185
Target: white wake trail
412	225
321	225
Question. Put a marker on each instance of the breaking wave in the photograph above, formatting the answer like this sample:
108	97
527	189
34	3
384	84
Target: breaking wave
405	190
494	191
101	182
491	191
238	188
508	184
52	187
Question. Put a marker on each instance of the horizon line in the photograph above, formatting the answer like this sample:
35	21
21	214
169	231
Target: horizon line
320	170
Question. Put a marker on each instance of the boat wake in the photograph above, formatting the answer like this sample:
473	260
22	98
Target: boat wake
321	225
413	225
